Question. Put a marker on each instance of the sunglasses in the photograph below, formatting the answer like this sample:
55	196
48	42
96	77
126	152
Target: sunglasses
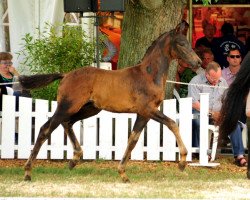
6	63
234	56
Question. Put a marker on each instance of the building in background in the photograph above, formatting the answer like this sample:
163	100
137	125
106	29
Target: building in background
236	12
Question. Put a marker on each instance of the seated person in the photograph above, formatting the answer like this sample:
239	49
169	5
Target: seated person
185	73
234	61
207	56
8	72
235	102
227	41
200	83
206	41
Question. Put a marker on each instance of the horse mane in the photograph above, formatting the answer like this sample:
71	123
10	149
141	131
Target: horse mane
154	43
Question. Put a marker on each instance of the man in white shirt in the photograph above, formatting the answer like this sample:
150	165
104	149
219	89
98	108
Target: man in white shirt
209	82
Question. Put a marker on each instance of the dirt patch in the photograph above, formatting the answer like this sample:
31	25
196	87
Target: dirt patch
226	163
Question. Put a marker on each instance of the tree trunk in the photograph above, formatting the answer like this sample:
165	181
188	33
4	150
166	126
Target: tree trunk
142	25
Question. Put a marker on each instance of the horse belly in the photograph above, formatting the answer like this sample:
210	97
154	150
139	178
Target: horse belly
114	99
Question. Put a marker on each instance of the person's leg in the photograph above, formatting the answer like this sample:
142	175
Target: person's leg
196	129
237	146
248	145
17	94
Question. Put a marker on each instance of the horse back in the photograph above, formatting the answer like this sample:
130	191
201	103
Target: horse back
126	90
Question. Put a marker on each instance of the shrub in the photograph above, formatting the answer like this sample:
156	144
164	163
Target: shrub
50	53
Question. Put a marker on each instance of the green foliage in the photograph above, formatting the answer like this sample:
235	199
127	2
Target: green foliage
50	53
206	2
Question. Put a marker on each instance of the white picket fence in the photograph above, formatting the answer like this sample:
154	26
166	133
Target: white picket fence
103	136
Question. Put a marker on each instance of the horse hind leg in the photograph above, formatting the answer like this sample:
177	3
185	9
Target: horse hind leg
86	111
133	138
171	124
76	145
45	132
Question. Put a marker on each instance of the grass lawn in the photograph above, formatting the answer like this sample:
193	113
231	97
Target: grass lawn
101	179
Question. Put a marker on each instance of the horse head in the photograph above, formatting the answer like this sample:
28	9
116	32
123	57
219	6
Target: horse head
180	48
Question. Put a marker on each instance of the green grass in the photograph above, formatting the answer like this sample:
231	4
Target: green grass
148	180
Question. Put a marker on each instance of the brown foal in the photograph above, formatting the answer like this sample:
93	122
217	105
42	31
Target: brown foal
138	89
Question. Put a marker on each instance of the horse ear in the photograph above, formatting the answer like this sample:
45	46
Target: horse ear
182	27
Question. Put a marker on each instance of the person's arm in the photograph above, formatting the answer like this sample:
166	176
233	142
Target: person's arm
196	106
248	105
194	92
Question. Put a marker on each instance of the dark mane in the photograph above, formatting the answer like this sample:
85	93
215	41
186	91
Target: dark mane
152	46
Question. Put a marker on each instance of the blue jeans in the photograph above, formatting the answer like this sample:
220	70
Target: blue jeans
236	141
235	136
196	129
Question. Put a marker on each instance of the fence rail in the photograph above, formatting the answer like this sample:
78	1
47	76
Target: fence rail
103	136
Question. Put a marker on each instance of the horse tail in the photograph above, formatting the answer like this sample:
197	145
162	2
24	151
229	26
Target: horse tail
38	80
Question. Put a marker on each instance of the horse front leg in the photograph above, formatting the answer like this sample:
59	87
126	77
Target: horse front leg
45	132
76	146
133	138
171	124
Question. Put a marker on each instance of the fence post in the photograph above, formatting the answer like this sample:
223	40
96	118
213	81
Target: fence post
57	139
41	110
169	140
25	127
204	109
185	124
121	134
8	126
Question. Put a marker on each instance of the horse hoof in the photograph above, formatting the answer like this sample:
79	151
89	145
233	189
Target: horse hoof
27	178
72	164
125	180
182	165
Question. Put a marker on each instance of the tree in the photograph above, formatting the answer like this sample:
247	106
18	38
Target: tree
144	21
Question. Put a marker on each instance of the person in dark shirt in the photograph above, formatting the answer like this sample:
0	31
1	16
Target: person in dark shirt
3	90
206	41
223	44
7	75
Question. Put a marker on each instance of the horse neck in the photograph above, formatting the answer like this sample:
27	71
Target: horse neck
158	60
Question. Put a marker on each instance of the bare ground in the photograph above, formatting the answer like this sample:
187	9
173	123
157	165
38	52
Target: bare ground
84	187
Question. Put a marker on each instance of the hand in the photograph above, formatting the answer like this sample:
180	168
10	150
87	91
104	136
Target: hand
13	71
215	116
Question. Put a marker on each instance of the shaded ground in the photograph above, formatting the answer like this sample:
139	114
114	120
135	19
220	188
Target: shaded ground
226	164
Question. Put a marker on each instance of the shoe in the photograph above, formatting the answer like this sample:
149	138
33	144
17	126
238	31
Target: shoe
241	162
209	157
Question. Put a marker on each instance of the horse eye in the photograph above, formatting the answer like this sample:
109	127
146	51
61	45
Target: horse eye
181	43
